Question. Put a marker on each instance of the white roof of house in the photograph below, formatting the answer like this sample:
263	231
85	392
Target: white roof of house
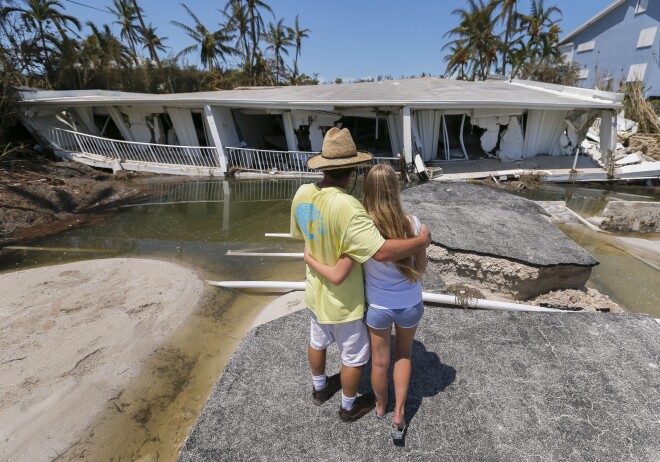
593	20
418	93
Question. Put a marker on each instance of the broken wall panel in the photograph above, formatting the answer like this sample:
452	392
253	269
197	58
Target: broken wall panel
512	141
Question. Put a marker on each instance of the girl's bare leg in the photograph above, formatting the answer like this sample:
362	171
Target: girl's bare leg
380	363
402	369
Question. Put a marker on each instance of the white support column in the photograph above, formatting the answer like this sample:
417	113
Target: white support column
118	119
289	132
215	136
407	135
608	136
226	202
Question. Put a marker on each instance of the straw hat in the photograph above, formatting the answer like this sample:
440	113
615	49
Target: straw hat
338	151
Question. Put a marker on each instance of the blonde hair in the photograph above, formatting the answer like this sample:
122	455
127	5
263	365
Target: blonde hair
383	202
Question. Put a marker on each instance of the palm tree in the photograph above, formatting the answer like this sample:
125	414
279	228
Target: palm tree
40	15
238	22
509	16
297	34
149	37
457	58
537	24
475	37
211	45
256	22
279	38
126	17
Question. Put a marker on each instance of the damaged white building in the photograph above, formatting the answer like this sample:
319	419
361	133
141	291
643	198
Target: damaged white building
275	129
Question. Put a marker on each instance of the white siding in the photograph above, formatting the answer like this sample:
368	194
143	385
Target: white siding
636	72
583	74
647	37
586	46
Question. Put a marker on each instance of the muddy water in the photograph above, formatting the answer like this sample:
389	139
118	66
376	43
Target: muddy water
627	280
196	223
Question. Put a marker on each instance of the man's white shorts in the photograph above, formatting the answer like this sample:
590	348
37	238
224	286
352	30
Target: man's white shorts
352	339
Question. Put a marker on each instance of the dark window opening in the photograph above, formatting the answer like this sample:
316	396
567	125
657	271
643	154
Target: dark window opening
368	134
261	131
302	135
107	127
200	129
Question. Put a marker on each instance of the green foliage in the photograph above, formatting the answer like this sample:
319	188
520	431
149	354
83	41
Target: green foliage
528	44
47	50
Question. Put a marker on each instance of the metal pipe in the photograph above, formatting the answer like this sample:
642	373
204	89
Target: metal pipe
426	296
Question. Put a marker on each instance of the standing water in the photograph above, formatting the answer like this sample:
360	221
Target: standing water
196	223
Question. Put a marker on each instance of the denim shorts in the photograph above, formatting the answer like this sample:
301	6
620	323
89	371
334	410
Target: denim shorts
382	318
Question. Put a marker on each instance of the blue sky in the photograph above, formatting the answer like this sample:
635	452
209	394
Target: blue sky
350	38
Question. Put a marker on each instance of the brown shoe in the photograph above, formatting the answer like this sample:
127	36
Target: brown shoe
363	405
332	386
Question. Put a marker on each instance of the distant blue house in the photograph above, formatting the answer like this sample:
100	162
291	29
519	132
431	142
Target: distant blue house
619	44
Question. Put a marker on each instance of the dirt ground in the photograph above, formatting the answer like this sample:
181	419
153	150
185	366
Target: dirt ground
40	196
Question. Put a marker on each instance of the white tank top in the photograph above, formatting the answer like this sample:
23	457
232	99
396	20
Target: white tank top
386	287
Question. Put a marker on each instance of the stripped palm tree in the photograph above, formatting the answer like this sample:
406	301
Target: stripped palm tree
238	23
126	15
278	38
149	37
297	34
212	46
256	21
509	16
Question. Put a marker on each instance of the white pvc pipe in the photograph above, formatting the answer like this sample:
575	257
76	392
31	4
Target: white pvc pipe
279	235
240	253
258	285
426	296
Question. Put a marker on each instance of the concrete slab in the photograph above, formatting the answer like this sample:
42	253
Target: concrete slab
490	386
486	221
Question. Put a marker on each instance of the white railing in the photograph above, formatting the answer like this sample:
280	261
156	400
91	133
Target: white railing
194	156
265	160
260	160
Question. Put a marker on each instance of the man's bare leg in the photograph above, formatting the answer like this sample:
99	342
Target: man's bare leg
350	379
317	361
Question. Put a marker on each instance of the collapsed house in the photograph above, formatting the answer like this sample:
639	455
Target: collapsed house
275	129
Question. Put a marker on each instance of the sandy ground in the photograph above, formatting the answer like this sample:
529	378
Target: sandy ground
73	336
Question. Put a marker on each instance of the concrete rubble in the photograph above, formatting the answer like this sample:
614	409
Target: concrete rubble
505	247
630	217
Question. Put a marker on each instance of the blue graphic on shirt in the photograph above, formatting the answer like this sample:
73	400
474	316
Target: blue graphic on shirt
310	221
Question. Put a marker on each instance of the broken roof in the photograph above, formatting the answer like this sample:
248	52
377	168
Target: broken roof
416	93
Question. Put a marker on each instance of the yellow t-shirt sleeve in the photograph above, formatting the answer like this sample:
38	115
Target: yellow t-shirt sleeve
362	239
294	229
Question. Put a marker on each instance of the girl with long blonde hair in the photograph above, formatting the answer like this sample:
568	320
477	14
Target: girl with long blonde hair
393	292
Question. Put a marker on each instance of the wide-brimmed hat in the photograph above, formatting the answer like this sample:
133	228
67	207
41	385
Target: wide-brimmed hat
338	151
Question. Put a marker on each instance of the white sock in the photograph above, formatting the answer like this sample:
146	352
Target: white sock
319	381
346	402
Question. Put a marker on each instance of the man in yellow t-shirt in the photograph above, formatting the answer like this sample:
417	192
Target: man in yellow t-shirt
334	223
